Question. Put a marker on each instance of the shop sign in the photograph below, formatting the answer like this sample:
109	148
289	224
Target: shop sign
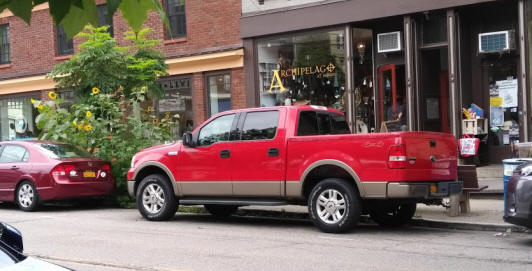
320	71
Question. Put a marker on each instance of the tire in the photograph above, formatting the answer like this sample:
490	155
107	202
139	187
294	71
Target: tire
221	210
392	214
27	197
155	198
334	206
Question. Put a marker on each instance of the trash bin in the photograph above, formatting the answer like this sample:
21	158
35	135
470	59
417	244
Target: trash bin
508	167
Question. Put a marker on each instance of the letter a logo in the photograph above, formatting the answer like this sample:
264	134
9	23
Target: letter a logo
279	83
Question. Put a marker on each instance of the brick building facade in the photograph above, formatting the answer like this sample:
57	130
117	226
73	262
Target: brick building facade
205	62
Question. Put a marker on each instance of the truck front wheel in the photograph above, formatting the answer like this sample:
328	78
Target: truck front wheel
334	205
155	198
392	214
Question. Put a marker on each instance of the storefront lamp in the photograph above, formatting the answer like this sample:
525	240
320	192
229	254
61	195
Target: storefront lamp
361	48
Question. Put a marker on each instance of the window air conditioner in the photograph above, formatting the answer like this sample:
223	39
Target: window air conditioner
389	42
496	42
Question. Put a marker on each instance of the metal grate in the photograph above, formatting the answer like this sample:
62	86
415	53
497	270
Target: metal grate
5	55
389	42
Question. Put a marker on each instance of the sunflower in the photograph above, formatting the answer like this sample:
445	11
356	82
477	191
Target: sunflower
167	115
155	121
95	91
52	95
80	126
88	114
150	108
32	100
87	127
143	89
40	107
75	123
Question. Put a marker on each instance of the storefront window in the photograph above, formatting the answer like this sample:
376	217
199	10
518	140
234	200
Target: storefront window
363	81
219	91
17	118
176	99
306	68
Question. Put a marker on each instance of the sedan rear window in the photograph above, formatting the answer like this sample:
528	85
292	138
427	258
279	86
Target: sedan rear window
58	151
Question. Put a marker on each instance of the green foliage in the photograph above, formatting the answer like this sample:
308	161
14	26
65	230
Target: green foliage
73	15
109	80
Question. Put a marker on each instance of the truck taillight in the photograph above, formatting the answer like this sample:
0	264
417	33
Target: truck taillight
64	172
397	156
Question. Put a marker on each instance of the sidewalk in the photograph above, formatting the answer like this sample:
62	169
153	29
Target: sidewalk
486	214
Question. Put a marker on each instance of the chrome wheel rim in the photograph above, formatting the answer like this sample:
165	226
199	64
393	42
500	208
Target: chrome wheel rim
153	198
331	206
26	195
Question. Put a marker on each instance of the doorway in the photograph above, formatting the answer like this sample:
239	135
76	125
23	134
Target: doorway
392	94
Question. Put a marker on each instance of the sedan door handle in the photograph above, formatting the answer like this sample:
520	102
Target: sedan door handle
225	154
14	167
273	152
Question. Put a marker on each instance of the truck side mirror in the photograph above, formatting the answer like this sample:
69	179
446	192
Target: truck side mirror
187	140
11	237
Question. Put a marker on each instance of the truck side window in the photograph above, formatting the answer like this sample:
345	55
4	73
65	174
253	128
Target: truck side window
339	125
260	125
307	123
324	121
216	131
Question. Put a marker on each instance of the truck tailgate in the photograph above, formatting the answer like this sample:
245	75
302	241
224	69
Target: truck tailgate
430	156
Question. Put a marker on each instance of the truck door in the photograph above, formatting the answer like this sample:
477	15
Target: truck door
259	154
206	168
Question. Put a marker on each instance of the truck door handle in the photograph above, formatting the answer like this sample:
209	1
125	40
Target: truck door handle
225	154
14	167
272	152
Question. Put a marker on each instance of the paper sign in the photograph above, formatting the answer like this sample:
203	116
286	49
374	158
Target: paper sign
508	92
496	116
495	101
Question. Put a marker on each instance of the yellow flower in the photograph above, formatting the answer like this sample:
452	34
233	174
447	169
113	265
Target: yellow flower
52	95
87	127
40	107
167	115
80	126
75	123
143	89
95	91
88	114
32	101
155	120
149	109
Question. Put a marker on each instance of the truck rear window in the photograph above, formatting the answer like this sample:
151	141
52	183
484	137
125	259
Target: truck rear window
321	123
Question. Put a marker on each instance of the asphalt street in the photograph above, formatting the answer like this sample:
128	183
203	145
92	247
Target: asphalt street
120	239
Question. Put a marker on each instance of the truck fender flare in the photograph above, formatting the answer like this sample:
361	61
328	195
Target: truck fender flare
163	168
338	163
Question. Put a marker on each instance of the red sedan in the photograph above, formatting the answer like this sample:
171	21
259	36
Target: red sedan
35	171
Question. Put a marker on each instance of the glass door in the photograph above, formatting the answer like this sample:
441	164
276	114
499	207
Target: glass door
392	107
364	98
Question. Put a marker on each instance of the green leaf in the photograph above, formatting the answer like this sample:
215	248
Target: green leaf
22	9
134	13
77	17
58	9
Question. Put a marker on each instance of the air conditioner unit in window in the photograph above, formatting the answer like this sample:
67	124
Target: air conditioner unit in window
389	42
496	42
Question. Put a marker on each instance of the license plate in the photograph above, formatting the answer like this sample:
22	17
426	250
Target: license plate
89	174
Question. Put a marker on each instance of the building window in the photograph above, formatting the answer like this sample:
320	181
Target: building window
219	93
64	46
104	20
17	118
5	56
176	99
175	10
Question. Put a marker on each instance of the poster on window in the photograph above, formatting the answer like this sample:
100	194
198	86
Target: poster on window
496	116
508	92
171	105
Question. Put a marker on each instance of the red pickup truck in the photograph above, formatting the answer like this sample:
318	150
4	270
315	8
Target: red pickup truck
304	155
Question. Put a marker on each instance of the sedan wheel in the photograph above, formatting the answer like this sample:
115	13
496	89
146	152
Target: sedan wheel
155	198
27	197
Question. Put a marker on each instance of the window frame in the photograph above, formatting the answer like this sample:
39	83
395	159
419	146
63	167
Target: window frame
318	123
5	27
26	151
208	90
103	9
168	33
241	122
59	50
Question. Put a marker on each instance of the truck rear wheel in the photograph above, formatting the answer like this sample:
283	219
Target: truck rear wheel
334	205
155	198
221	210
392	214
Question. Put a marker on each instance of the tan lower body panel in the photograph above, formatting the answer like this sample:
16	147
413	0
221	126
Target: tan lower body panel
212	188
257	188
293	189
374	190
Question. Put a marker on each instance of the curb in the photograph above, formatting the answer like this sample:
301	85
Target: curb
419	222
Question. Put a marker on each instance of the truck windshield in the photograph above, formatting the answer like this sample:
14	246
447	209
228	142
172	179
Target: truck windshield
321	123
57	151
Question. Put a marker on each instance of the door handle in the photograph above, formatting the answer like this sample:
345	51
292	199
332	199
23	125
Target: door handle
225	154
14	167
272	152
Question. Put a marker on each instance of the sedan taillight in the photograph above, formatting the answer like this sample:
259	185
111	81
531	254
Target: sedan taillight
64	172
